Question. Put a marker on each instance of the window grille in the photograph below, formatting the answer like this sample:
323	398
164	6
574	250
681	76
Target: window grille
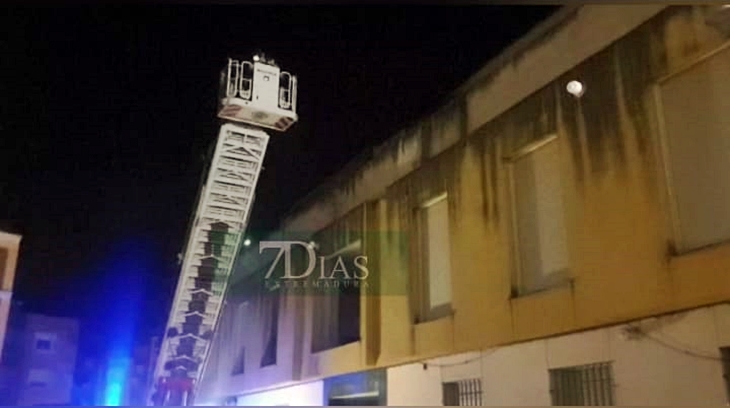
463	393
582	385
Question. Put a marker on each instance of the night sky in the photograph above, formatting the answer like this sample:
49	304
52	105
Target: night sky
106	115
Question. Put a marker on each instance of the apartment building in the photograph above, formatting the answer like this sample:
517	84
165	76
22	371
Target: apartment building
9	249
48	360
558	233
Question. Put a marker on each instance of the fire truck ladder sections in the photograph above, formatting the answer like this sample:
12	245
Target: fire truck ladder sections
221	217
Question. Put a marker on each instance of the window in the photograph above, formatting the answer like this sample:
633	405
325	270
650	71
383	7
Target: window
725	353
463	393
364	388
582	385
696	126
241	332
336	320
45	342
435	259
272	320
541	251
239	367
38	378
44	345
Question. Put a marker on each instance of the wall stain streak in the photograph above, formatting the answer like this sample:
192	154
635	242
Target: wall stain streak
601	113
492	150
618	81
569	116
478	145
426	138
435	176
640	62
463	112
529	121
532	119
512	57
691	46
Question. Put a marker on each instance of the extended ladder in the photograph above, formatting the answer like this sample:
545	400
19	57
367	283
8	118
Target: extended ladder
253	96
220	221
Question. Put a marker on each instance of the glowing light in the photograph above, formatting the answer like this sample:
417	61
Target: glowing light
575	88
115	382
126	269
256	58
247	242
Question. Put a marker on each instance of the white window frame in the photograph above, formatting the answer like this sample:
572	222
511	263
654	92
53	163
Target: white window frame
679	243
425	311
563	277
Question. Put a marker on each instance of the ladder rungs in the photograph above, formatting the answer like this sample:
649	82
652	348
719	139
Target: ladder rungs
228	195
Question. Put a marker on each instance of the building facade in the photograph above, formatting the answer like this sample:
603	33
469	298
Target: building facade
49	349
557	234
9	250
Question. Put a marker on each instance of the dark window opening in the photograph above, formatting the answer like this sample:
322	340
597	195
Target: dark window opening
725	353
348	314
337	309
43	345
240	366
269	357
354	401
36	384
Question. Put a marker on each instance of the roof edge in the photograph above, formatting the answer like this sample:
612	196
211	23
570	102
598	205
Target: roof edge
493	65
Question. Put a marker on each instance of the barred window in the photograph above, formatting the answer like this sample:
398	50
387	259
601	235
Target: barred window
463	393
582	385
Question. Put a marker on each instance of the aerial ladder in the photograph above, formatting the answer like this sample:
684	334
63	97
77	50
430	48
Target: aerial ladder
254	96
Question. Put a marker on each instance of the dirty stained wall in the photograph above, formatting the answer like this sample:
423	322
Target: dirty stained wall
613	188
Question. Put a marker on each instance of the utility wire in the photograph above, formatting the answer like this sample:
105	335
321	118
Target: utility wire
681	349
467	361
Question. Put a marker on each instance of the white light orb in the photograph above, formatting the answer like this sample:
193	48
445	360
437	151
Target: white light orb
575	88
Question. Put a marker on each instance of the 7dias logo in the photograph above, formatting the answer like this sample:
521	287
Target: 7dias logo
348	269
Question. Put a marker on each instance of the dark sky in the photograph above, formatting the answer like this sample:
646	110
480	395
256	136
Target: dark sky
106	113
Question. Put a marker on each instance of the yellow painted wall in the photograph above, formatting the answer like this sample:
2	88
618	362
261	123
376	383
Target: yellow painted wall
615	198
614	190
11	242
